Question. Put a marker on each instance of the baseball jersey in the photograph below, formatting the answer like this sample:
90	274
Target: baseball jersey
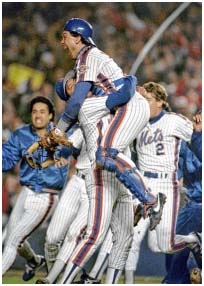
77	138
95	66
158	144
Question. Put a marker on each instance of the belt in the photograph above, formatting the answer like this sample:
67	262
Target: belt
155	175
50	191
44	190
80	174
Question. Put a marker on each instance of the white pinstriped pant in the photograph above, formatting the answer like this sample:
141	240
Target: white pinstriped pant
109	204
30	211
128	121
163	238
78	224
69	218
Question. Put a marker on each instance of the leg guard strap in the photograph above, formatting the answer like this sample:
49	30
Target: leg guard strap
133	182
105	158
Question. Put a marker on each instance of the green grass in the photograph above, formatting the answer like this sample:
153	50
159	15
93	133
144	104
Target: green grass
14	277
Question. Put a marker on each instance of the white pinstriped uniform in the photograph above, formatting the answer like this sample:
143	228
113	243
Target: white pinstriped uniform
70	216
31	210
90	114
131	120
101	262
158	147
95	66
110	203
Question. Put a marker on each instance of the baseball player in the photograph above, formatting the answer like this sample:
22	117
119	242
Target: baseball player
94	68
190	216
71	212
40	186
158	146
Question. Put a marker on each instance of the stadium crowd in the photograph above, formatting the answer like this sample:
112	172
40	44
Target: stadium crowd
33	59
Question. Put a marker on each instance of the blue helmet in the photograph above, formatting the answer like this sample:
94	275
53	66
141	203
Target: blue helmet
81	27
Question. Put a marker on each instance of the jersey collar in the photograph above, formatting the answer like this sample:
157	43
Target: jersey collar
156	118
83	51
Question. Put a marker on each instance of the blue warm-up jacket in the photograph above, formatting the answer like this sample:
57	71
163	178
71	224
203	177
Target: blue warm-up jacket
13	152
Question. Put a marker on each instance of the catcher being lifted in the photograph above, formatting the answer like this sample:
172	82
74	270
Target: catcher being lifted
49	141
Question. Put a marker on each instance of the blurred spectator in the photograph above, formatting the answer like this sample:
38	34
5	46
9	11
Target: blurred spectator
31	37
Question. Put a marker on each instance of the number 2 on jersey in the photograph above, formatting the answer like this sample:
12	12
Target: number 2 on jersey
160	149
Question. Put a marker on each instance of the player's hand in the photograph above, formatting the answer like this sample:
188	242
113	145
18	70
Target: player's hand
197	122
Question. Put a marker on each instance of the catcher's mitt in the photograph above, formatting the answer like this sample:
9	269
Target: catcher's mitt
54	138
195	276
137	214
140	211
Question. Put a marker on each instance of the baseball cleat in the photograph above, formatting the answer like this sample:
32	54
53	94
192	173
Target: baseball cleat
198	236
43	281
155	212
85	279
196	249
31	268
195	276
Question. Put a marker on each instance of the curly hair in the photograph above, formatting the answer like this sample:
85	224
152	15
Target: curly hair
159	91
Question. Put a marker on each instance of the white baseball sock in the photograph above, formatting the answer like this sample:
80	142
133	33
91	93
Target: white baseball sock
55	270
112	275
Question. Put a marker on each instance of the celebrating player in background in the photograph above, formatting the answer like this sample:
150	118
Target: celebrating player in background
157	147
40	186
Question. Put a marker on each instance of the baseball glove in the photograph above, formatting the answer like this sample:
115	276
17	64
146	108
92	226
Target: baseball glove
50	141
137	214
54	138
195	276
